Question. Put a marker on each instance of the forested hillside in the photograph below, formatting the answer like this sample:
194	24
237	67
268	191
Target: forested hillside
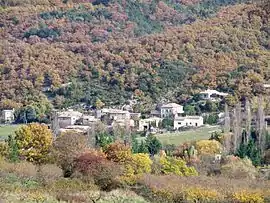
113	50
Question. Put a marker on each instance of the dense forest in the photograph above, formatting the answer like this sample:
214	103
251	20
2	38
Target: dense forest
64	52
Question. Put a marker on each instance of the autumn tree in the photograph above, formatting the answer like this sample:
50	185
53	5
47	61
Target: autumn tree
66	148
34	142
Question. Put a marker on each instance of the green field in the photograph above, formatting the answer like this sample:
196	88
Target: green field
185	136
6	130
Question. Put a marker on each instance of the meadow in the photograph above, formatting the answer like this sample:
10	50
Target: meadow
178	138
6	130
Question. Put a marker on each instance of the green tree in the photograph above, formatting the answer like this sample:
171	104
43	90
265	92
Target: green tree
34	141
13	154
153	144
167	123
103	139
143	148
210	106
189	110
251	151
99	104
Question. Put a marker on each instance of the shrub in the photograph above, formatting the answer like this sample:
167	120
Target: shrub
49	173
22	169
267	157
43	32
238	168
66	148
171	165
66	186
122	196
34	141
4	149
94	164
180	189
208	147
118	152
135	167
134	164
142	163
247	197
201	195
218	136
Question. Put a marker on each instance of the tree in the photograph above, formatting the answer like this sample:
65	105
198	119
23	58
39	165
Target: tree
66	148
153	144
210	106
95	165
103	139
237	127
227	123
167	123
143	148
261	124
13	154
248	121
34	141
99	104
251	151
189	110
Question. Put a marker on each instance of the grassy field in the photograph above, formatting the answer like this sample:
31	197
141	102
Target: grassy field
189	135
6	130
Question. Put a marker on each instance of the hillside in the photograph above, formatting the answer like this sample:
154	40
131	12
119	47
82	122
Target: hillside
153	50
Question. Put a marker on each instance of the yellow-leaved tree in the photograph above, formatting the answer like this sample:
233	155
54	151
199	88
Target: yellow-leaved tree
34	141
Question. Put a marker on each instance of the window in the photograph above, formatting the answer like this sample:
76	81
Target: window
186	124
190	123
179	123
196	124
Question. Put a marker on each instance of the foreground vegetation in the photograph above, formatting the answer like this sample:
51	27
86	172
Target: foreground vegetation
37	168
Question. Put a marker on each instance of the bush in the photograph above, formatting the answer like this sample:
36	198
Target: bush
43	32
65	186
247	197
267	157
95	165
21	169
137	165
49	173
209	147
170	165
201	195
4	149
235	167
118	152
134	164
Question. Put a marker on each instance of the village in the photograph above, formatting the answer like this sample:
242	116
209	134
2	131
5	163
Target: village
82	121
